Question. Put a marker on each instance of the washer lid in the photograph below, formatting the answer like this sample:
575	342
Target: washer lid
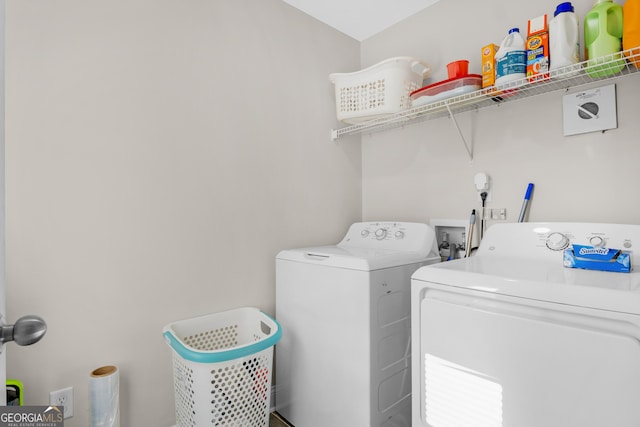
371	246
540	280
363	259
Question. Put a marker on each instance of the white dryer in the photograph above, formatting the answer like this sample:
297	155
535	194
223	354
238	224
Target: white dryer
344	356
511	337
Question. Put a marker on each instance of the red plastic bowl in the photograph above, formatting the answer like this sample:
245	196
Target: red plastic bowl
457	69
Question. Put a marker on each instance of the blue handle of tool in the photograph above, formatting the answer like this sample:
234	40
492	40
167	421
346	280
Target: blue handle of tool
527	195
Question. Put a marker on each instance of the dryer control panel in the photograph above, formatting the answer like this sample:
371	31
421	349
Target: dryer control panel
397	236
549	240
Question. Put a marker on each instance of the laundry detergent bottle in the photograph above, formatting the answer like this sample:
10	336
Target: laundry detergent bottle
564	38
603	38
631	31
511	58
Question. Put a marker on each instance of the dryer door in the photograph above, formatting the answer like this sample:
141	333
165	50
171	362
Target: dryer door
490	360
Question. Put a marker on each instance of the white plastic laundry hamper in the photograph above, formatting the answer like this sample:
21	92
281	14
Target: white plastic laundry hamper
222	368
379	90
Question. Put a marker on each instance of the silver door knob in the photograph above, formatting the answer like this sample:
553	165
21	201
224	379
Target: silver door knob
26	331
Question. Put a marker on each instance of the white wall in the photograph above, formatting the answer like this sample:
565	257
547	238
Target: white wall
423	172
159	154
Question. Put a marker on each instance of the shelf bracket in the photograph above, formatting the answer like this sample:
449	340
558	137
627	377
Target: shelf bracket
462	138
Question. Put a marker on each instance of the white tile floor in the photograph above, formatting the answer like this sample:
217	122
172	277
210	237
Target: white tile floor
276	421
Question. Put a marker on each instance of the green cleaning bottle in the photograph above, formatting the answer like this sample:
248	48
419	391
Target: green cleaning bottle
603	39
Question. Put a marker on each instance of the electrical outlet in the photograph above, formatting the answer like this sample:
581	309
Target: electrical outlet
499	214
63	397
482	182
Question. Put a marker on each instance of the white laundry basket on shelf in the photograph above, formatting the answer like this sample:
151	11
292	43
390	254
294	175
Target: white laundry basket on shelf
379	90
222	368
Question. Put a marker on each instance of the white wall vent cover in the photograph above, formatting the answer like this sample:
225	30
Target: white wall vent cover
590	110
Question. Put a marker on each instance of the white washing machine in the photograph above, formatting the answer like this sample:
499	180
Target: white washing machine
510	337
344	356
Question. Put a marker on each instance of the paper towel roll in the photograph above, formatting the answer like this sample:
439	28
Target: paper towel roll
104	406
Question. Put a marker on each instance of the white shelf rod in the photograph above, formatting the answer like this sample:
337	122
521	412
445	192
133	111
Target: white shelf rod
462	138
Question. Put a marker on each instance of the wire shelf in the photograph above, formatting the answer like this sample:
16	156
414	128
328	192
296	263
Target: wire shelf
603	68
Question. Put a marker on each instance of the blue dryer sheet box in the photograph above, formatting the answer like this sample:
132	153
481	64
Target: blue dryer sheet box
593	258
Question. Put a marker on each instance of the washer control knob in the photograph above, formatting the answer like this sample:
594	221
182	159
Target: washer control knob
596	241
381	233
399	234
557	241
364	233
